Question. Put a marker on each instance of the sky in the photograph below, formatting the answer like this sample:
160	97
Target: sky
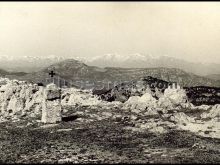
185	30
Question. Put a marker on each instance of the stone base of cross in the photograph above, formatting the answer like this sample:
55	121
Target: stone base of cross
51	108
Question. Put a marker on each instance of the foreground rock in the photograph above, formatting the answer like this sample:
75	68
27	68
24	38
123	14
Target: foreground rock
140	103
18	98
213	113
77	97
173	98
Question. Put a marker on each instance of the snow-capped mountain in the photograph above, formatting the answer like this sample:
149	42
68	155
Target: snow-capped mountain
148	61
118	60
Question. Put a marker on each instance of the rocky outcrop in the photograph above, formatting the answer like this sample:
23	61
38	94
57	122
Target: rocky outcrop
20	98
77	97
123	91
213	113
140	103
173	98
181	118
197	95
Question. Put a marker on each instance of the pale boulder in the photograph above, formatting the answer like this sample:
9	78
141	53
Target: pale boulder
173	98
213	113
140	103
131	103
151	112
146	100
74	97
182	118
15	105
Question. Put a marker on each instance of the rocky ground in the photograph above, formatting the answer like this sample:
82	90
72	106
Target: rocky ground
140	130
104	136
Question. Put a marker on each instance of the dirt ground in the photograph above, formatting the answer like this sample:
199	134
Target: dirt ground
101	141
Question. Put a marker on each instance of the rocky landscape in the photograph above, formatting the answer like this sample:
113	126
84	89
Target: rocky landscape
148	127
109	83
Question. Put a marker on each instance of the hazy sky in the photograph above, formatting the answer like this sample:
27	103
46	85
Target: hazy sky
187	30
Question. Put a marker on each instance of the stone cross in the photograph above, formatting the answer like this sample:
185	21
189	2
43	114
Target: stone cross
52	73
51	108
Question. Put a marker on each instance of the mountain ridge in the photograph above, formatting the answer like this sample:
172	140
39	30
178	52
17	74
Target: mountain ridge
73	70
32	64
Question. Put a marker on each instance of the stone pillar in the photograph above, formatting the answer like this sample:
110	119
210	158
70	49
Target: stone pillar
51	108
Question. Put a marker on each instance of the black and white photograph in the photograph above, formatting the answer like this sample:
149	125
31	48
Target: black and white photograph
109	82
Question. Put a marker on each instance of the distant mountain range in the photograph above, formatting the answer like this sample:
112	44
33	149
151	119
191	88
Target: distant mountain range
33	64
148	61
73	70
27	63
